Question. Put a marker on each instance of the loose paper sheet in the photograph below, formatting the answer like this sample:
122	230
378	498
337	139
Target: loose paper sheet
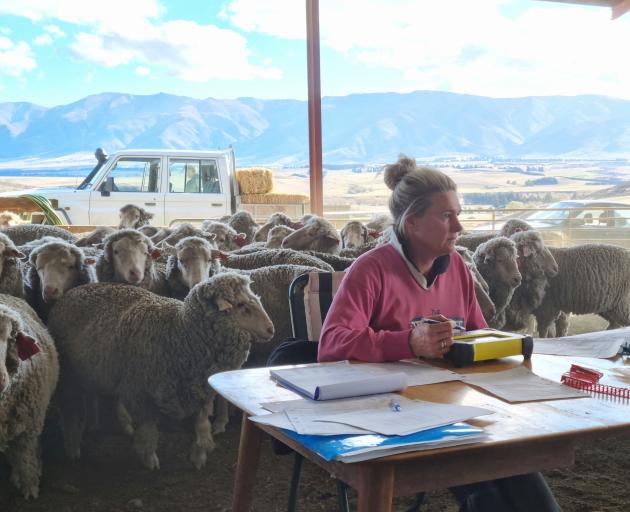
521	385
418	373
413	416
601	344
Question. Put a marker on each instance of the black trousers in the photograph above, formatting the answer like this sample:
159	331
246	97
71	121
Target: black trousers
521	493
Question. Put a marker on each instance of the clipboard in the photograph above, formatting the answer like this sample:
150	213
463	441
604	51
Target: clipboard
484	344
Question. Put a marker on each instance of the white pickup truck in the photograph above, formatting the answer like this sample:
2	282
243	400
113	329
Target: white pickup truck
173	185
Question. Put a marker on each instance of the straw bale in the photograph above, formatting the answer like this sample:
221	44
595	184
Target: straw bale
255	180
274	199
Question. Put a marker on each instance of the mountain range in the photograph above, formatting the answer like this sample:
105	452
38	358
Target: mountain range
358	128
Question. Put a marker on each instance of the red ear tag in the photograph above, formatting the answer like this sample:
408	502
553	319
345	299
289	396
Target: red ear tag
27	346
240	240
374	234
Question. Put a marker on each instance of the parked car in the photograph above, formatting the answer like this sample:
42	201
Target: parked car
577	222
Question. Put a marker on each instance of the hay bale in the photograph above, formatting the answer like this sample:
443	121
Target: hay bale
254	180
274	199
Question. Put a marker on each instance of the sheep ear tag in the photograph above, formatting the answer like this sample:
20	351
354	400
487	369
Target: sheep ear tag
155	253
240	239
374	234
26	346
223	305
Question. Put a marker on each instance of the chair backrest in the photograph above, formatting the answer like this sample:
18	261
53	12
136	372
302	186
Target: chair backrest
310	296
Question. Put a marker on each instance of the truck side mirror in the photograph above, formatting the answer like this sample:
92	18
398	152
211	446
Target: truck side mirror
107	187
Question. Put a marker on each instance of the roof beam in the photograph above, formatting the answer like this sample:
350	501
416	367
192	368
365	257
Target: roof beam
620	8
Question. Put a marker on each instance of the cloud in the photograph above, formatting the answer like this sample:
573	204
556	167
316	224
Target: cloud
55	31
43	40
15	58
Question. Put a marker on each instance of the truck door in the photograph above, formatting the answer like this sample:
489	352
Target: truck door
134	180
195	191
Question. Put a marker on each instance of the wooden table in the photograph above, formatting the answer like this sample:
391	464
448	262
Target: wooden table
522	438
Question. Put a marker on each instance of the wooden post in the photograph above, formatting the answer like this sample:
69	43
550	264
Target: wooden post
314	107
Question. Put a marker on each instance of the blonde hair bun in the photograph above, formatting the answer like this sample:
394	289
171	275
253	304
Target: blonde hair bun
394	173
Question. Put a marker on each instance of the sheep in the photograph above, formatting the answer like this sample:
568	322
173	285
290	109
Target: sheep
243	222
150	231
271	257
128	257
536	265
176	347
25	233
276	235
9	219
276	219
11	280
226	237
95	237
29	370
161	234
172	236
380	222
354	234
317	235
133	217
482	290
191	261
54	268
472	241
336	261
358	251
591	278
496	260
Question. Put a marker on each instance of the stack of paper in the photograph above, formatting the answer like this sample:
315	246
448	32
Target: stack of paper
601	344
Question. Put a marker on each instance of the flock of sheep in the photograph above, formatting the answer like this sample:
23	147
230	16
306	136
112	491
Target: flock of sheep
144	314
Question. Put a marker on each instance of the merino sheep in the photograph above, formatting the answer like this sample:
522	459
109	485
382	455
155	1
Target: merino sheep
226	237
128	257
150	231
472	241
317	235
56	267
28	376
95	237
276	219
276	235
243	222
496	259
133	217
358	251
591	278
172	236
271	257
191	261
336	261
25	233
482	290
380	222
11	280
9	219
176	347
536	265
354	234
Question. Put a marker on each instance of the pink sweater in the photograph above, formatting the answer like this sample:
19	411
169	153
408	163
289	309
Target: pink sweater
369	317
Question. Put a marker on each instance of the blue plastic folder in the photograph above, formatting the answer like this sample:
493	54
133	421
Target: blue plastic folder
369	446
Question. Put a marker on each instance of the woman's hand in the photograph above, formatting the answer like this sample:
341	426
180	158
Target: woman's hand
432	340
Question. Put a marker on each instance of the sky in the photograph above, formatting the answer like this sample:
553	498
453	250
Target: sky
55	52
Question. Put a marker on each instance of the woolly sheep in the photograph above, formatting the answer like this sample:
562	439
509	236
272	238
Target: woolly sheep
11	280
191	261
9	219
133	217
54	268
150	231
26	387
172	236
591	278
276	235
95	237
128	257
243	222
317	235
276	219
226	237
482	290
176	347
380	222
358	251
271	257
354	234
25	233
472	241
536	265
336	261
496	259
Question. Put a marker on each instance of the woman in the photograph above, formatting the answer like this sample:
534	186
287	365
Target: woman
419	274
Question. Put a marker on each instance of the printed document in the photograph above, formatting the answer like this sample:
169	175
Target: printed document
521	385
331	381
418	373
601	344
411	416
